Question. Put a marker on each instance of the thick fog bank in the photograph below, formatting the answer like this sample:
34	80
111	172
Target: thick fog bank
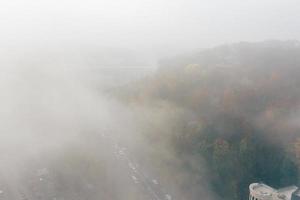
54	110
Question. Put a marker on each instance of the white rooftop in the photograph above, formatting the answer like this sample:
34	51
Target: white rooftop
263	191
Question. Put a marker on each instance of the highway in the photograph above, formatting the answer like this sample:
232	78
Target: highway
147	184
117	175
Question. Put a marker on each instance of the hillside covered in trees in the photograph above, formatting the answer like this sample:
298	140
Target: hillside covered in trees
233	110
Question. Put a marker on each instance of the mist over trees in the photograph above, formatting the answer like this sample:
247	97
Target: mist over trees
203	125
230	117
134	100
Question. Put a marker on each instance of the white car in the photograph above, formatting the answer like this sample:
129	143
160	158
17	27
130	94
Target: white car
131	165
168	197
135	179
121	153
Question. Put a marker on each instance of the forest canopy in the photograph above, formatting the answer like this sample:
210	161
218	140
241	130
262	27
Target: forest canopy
240	112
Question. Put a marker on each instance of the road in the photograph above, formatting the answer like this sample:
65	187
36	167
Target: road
100	168
147	184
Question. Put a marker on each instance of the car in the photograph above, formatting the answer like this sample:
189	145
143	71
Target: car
131	165
135	179
121	152
168	197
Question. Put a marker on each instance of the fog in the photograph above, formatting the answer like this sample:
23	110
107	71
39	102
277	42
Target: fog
155	27
58	134
161	100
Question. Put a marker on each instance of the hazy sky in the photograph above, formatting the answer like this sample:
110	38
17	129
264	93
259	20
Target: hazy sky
158	25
